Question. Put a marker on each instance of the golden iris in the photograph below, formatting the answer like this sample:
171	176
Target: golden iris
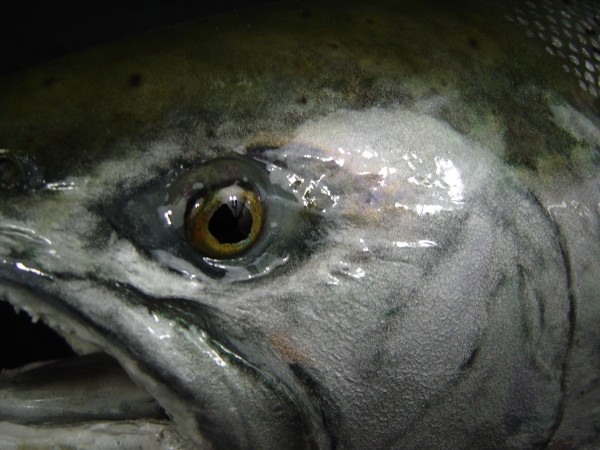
225	223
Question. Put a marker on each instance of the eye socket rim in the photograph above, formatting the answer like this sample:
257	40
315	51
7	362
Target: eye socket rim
201	208
290	232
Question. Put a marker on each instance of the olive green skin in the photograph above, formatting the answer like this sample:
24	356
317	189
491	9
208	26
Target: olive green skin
70	113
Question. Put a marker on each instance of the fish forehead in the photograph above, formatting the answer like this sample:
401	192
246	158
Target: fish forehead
258	75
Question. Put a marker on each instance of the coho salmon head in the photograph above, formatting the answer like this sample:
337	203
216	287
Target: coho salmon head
312	225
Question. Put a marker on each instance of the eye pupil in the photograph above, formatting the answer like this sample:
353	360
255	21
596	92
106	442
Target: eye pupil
231	222
226	222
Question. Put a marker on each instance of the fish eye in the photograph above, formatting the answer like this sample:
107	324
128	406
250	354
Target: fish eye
225	223
231	217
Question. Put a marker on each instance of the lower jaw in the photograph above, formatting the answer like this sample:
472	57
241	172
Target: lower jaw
124	435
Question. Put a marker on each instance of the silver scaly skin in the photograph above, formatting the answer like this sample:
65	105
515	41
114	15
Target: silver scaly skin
428	271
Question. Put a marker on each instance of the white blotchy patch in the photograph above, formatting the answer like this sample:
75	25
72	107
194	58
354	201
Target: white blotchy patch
398	176
411	158
125	264
125	172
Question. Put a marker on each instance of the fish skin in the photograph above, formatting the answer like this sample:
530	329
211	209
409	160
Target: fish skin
457	310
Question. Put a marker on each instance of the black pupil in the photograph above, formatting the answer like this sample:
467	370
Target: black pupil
231	222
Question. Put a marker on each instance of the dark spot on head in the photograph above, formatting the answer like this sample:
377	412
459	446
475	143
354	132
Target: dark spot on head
302	100
392	312
306	14
47	82
304	378
512	424
470	360
596	156
210	132
473	43
257	148
369	21
135	80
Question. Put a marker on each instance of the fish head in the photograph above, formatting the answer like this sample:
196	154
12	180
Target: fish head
314	227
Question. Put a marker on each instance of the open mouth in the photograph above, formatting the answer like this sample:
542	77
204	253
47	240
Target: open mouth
24	342
45	383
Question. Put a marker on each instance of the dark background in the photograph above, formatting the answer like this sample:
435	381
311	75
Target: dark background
32	33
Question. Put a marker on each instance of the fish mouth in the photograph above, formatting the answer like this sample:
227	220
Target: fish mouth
57	389
45	380
24	341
